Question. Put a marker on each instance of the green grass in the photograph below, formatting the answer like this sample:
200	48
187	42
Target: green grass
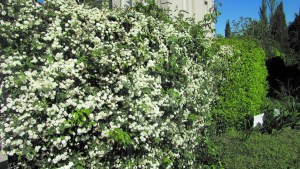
237	149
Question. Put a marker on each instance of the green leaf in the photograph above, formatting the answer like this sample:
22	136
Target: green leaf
120	137
50	59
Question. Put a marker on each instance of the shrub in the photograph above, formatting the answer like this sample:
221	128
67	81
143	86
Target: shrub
89	88
282	113
243	91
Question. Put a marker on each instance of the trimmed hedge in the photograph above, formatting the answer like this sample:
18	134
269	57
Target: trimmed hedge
243	91
89	88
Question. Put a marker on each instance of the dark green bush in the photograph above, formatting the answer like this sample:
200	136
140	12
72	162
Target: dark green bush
244	87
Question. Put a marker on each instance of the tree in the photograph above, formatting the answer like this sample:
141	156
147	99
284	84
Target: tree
294	34
262	25
263	13
263	32
242	26
278	27
272	4
227	29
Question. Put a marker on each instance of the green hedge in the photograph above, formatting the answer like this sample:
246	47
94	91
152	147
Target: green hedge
243	89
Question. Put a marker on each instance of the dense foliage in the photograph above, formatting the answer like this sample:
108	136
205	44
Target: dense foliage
89	88
244	89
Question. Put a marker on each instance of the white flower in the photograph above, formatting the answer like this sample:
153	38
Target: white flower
64	143
55	160
143	139
69	166
3	12
3	109
40	127
8	141
151	63
82	69
37	148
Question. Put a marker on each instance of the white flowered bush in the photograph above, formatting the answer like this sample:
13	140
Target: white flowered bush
89	88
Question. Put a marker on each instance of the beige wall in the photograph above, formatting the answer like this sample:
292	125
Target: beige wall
192	8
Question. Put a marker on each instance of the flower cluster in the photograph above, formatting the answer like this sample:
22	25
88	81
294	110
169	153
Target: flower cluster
83	87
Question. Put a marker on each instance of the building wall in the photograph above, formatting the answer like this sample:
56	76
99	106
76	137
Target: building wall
191	8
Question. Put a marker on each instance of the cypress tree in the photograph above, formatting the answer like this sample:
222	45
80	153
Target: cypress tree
294	34
227	29
263	32
263	13
278	27
271	6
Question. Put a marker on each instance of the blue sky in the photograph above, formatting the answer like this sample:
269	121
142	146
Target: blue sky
234	9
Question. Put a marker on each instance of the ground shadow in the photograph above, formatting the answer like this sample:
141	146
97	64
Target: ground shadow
281	75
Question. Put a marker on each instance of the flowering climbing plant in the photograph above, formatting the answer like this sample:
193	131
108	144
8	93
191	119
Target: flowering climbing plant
89	88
